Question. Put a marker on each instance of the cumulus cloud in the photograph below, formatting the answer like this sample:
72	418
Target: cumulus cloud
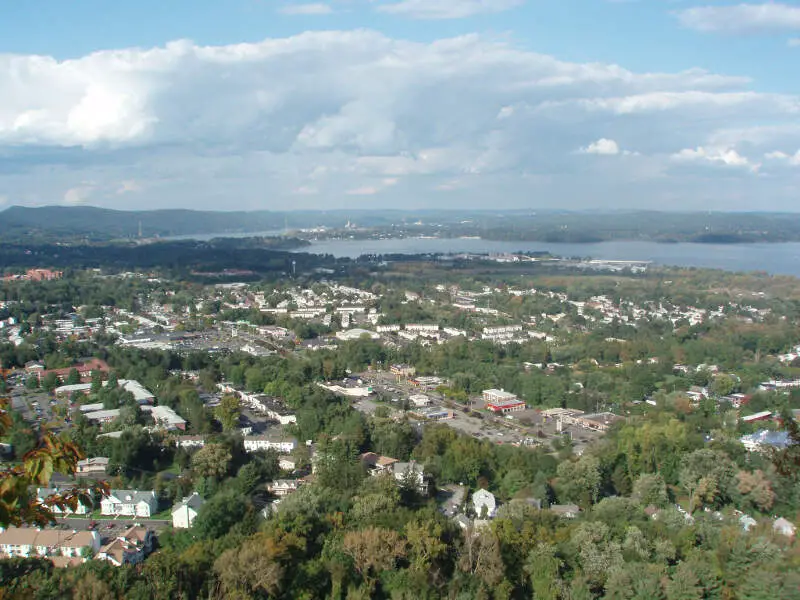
602	146
78	195
313	116
719	155
789	159
314	8
742	18
447	9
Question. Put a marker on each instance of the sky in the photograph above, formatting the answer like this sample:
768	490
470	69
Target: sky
496	104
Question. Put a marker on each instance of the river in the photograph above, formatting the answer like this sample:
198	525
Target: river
777	259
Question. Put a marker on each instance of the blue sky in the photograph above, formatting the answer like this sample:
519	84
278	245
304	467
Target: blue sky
383	103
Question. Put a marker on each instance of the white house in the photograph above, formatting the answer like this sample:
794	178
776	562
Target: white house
483	500
784	527
43	493
185	511
90	466
410	472
131	503
283	487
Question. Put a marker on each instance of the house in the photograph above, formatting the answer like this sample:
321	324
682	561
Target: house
32	542
132	503
260	443
185	511
784	527
747	522
410	473
92	466
567	511
502	402
43	493
283	487
377	464
484	504
130	548
287	463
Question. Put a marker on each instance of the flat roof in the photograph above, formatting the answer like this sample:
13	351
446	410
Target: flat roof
500	394
506	402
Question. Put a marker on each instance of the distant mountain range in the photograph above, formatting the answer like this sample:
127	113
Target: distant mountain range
84	223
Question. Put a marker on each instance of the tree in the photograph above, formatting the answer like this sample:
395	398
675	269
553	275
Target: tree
216	517
49	455
650	489
706	476
212	460
74	377
50	382
756	489
228	411
579	480
480	555
543	567
373	551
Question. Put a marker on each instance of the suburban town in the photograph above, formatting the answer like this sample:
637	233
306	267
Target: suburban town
181	429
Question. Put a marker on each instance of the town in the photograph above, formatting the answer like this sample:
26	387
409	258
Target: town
173	388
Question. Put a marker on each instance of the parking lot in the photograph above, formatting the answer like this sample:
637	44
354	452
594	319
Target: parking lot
526	427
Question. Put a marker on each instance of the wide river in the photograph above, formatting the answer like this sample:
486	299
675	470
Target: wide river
778	259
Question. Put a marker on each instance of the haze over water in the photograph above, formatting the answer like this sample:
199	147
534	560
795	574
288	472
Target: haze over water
777	259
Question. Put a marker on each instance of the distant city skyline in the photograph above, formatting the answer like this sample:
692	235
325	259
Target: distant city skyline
495	104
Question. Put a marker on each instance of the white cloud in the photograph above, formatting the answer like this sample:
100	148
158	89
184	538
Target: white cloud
3	200
742	18
78	195
128	186
789	159
367	190
720	155
447	9
794	43
602	146
314	8
308	116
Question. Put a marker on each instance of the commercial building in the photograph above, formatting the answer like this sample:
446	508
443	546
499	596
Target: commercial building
502	402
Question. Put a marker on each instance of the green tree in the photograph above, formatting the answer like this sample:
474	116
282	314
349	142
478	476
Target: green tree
579	480
74	377
212	460
228	411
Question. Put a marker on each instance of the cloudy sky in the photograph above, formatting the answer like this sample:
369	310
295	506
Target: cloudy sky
273	104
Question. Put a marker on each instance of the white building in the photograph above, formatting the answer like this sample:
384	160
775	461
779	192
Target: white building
165	417
784	527
419	400
260	443
131	503
43	493
30	542
484	504
283	487
90	466
185	511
